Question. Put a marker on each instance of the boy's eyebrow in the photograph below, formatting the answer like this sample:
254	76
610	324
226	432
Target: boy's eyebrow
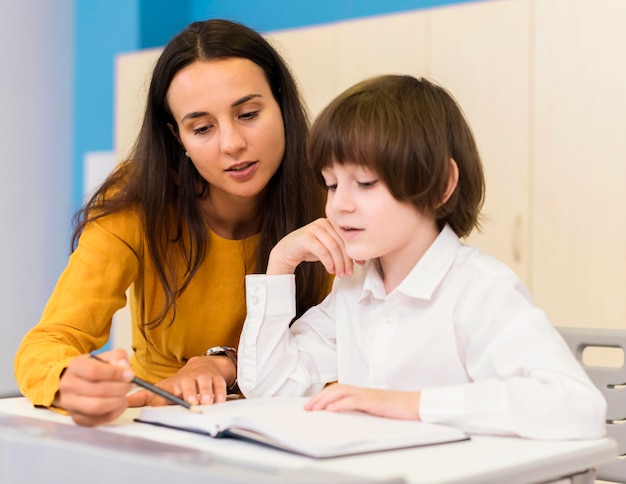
238	102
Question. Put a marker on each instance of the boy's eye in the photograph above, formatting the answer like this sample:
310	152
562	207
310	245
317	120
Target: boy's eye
368	184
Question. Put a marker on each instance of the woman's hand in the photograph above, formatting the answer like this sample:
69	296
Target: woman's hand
384	403
94	392
317	241
203	380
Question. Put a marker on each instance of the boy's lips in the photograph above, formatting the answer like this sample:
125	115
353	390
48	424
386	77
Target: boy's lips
349	232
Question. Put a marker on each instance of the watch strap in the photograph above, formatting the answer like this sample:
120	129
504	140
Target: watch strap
231	353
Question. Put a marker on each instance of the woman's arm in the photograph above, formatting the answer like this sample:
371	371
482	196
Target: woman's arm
77	317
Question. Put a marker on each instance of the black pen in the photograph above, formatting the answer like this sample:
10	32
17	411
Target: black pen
148	386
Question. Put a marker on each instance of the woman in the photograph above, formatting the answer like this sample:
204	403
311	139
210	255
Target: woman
217	176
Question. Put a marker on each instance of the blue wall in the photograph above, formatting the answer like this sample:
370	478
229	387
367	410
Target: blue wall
105	28
284	14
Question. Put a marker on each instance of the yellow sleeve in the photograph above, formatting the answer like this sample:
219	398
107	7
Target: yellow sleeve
77	317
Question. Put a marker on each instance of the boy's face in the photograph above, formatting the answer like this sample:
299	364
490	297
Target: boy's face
371	222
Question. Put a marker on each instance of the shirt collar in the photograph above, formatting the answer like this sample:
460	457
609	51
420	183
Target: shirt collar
427	274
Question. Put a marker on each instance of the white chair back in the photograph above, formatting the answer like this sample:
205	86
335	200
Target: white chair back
612	383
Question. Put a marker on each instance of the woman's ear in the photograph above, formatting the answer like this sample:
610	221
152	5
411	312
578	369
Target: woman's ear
453	181
174	132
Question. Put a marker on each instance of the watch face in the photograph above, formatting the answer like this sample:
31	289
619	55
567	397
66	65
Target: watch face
219	350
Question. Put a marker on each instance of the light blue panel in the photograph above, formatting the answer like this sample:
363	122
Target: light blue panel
283	14
103	29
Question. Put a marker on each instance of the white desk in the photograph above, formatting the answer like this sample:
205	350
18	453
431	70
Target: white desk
32	439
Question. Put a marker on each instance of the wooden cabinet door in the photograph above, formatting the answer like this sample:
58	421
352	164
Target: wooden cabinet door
578	239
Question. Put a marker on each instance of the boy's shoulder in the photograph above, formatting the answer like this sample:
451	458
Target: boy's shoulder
482	276
483	272
473	259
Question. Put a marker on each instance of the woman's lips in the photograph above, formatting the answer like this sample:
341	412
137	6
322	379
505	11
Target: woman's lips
242	170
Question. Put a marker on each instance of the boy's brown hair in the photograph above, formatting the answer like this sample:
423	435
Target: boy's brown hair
406	130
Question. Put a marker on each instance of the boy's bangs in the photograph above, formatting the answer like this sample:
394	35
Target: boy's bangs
350	137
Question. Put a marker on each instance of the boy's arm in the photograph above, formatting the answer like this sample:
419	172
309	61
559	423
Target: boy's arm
526	381
275	359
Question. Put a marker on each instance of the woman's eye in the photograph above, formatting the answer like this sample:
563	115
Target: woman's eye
331	188
249	116
368	184
201	129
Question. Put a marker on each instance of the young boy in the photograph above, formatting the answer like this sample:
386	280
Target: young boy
423	326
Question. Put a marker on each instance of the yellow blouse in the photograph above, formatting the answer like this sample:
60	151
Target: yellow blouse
111	257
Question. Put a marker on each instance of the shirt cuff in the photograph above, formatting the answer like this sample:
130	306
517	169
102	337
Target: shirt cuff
271	295
443	405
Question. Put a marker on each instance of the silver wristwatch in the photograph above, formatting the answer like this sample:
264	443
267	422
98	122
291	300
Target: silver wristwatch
231	353
222	350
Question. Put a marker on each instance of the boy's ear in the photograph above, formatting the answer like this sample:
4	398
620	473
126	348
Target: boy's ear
453	181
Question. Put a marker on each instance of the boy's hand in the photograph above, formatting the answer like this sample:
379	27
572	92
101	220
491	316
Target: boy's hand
317	241
384	403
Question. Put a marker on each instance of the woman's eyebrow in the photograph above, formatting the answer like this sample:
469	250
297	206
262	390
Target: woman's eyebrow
238	102
244	99
194	115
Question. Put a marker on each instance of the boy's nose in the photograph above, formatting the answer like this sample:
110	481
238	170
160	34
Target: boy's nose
341	201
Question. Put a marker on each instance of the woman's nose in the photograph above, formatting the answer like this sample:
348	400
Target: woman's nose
232	140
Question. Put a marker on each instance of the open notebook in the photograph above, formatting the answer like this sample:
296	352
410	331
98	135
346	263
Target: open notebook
284	423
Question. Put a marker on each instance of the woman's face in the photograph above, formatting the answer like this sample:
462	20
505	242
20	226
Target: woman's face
229	123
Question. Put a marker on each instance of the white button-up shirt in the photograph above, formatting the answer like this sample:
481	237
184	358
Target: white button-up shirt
461	328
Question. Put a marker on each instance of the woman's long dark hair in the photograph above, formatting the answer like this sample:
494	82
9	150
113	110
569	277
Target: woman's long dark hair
162	184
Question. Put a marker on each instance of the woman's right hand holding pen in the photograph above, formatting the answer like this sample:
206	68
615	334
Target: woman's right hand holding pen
317	241
94	393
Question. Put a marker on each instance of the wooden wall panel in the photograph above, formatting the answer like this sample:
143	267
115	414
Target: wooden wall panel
480	53
579	162
330	58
